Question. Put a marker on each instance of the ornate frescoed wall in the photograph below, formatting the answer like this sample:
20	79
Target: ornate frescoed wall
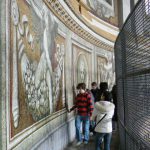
37	53
82	63
42	58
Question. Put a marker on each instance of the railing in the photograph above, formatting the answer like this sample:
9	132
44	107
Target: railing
132	54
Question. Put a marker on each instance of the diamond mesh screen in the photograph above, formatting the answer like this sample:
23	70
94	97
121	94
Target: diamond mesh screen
132	54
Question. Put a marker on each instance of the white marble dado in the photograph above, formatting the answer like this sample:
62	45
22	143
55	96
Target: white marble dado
59	139
48	135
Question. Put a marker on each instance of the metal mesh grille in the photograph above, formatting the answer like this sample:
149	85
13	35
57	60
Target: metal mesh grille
122	136
132	54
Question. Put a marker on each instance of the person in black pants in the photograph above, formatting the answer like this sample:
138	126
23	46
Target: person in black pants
114	96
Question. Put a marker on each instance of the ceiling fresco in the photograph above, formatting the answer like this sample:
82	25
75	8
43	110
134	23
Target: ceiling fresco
106	10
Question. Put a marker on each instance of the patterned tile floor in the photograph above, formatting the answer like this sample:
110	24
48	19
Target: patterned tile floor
91	144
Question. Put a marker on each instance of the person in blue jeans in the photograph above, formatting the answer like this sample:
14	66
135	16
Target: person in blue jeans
102	114
84	108
85	120
107	140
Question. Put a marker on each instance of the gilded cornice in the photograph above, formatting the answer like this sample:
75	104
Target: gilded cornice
56	7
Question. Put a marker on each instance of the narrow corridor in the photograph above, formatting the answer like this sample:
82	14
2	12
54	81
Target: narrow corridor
48	47
91	144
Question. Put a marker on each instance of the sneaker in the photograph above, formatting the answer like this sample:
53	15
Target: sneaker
91	133
85	142
78	143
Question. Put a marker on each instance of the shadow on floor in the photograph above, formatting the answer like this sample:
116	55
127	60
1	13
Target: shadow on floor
91	144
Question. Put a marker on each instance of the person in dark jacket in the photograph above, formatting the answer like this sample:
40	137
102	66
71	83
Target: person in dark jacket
94	89
84	108
115	117
114	96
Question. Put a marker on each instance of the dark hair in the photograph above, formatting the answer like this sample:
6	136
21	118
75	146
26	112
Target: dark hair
103	86
81	86
107	96
94	84
78	86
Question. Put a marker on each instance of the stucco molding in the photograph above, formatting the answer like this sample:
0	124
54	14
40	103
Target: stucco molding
76	43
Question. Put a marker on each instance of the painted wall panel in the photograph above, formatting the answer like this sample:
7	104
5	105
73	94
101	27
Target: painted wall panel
36	65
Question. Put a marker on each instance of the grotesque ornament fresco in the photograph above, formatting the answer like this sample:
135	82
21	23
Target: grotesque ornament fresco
105	70
58	82
82	69
82	64
37	64
101	69
15	105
